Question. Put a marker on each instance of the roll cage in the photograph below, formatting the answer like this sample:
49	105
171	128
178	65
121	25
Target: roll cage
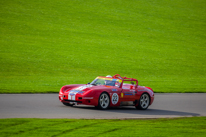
125	79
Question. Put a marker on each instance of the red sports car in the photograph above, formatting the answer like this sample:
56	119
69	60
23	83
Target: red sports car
109	91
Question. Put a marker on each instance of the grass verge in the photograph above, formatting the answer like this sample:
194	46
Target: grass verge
193	126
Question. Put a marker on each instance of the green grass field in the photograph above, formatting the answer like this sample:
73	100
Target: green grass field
47	44
178	127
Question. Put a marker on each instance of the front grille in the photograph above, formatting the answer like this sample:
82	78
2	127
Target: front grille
72	101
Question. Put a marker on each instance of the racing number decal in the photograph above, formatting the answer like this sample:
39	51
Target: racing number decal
115	98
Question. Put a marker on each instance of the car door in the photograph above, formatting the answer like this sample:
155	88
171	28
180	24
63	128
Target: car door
128	94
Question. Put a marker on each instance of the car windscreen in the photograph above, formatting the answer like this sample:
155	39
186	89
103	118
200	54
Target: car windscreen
106	81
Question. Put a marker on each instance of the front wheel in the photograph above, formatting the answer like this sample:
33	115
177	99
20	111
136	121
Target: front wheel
104	101
143	102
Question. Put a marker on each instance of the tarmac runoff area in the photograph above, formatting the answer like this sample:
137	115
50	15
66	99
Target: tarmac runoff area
165	105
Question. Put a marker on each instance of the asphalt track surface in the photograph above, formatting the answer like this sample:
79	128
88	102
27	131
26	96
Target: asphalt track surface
48	106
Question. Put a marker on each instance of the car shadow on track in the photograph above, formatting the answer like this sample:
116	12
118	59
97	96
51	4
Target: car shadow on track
133	110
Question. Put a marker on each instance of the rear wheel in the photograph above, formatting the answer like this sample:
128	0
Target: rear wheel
143	102
104	101
68	104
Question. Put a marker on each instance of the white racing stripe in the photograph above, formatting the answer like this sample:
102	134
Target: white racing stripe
83	87
72	95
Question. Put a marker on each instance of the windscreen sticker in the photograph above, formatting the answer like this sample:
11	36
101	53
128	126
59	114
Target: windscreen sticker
111	79
115	98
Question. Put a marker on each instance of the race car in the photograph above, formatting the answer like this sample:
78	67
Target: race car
109	91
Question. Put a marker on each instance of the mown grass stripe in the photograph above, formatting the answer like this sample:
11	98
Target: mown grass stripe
192	126
47	44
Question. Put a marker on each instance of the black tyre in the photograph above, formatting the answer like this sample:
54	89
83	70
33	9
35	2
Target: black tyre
143	102
68	104
104	101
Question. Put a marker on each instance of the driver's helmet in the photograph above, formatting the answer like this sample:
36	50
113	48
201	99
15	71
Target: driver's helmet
109	76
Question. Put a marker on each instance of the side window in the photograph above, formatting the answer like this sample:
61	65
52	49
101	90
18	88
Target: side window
110	83
129	84
117	84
